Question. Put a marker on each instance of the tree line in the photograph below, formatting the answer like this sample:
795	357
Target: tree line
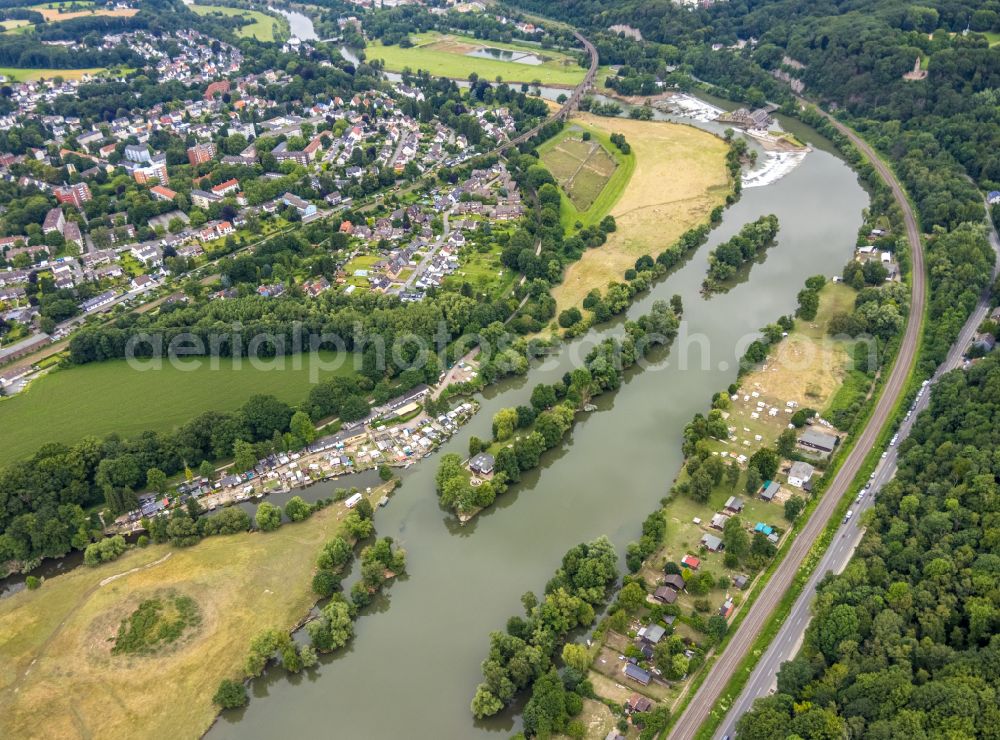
729	257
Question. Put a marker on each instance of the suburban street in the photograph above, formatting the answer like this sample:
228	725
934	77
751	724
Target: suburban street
721	671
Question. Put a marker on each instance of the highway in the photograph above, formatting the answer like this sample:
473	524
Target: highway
722	670
786	643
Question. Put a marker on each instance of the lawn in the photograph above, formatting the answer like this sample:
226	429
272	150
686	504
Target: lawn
56	667
10	25
483	271
447	55
992	36
261	28
592	174
100	398
28	75
679	177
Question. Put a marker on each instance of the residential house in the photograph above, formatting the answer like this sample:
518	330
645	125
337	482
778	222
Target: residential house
637	674
727	608
800	474
138	153
719	521
72	234
200	153
76	194
156	171
734	504
651	633
141	282
315	287
638	703
98	302
54	222
303	207
691	562
161	193
482	464
204	199
770	490
224	188
147	254
711	543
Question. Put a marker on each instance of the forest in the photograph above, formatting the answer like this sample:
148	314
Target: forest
905	643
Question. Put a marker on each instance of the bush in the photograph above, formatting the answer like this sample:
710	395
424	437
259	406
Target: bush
297	510
231	694
268	517
104	551
33	582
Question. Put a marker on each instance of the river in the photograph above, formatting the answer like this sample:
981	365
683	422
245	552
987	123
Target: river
413	666
300	24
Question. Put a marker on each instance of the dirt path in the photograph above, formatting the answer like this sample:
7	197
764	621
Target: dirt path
44	648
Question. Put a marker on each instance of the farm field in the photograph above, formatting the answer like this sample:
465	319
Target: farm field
13	24
28	75
592	174
53	12
70	404
679	177
56	666
447	55
262	27
582	168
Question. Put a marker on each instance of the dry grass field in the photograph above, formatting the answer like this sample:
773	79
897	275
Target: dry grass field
59	678
56	14
680	176
807	366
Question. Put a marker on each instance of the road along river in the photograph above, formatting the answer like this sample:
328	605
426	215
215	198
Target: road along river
412	669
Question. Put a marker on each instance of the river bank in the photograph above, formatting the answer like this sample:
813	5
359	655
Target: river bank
55	643
604	481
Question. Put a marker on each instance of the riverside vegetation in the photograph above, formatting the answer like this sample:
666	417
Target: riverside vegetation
542	425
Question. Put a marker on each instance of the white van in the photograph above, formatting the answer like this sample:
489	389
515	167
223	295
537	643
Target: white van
353	501
850	513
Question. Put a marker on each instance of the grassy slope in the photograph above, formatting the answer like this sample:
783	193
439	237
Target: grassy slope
261	29
106	397
559	70
56	668
679	177
568	213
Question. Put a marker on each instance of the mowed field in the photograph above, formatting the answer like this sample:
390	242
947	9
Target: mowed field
105	397
582	169
28	75
59	679
261	29
592	174
679	177
447	55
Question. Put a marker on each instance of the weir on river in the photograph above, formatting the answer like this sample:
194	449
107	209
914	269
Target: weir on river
414	663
